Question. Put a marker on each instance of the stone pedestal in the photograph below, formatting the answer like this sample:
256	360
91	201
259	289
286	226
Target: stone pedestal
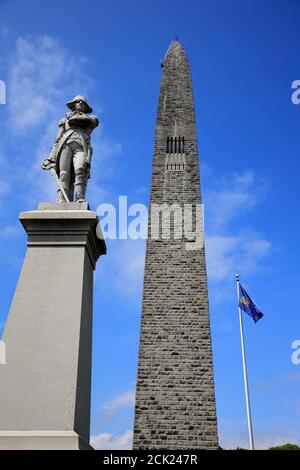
46	382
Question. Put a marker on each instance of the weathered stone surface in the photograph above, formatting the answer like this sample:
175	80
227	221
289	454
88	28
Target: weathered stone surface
42	440
63	206
175	400
46	381
70	157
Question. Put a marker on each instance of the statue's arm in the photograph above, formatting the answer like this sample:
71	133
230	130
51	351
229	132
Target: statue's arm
94	121
50	161
61	131
82	119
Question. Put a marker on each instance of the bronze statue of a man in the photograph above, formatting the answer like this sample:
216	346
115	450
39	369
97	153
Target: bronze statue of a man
72	151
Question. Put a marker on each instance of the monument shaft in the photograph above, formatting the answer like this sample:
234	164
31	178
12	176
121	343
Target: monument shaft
175	400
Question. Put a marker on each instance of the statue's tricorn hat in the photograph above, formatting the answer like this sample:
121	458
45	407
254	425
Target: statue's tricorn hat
71	104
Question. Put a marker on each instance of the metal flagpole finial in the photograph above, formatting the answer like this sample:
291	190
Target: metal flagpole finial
237	277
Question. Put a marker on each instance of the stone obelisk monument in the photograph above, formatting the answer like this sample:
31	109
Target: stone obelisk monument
175	400
45	385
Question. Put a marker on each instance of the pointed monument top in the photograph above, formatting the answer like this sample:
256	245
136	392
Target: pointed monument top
175	48
176	100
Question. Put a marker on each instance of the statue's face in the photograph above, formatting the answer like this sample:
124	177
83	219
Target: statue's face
80	106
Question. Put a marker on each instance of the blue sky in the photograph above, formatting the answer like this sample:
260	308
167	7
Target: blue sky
244	58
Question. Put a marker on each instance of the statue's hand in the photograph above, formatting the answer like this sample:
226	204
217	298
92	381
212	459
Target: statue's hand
48	163
72	117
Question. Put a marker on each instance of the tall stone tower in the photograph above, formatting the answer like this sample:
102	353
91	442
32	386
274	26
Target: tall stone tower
175	400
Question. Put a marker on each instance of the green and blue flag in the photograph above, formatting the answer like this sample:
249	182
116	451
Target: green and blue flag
247	304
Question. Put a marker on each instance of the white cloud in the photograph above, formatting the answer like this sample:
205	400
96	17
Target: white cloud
42	76
232	196
229	250
228	253
107	441
104	167
262	440
228	440
109	408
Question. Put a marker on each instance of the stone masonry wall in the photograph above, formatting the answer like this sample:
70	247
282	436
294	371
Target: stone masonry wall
175	400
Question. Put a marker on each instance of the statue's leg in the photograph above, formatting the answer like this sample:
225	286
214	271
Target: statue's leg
72	180
65	163
79	161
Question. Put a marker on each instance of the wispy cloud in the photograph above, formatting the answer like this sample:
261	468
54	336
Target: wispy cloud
231	196
104	167
227	247
42	76
227	253
107	441
110	408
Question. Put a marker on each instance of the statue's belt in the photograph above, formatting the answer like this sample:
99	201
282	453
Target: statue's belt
65	137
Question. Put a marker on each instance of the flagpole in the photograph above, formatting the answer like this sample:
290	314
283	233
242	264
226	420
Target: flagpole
249	420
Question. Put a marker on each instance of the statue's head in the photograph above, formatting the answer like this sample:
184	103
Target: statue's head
80	103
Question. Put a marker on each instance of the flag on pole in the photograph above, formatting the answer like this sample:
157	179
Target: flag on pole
248	305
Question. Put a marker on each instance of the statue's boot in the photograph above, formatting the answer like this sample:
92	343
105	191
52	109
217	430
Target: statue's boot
80	184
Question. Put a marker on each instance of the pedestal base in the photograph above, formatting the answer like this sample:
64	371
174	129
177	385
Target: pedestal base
42	440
